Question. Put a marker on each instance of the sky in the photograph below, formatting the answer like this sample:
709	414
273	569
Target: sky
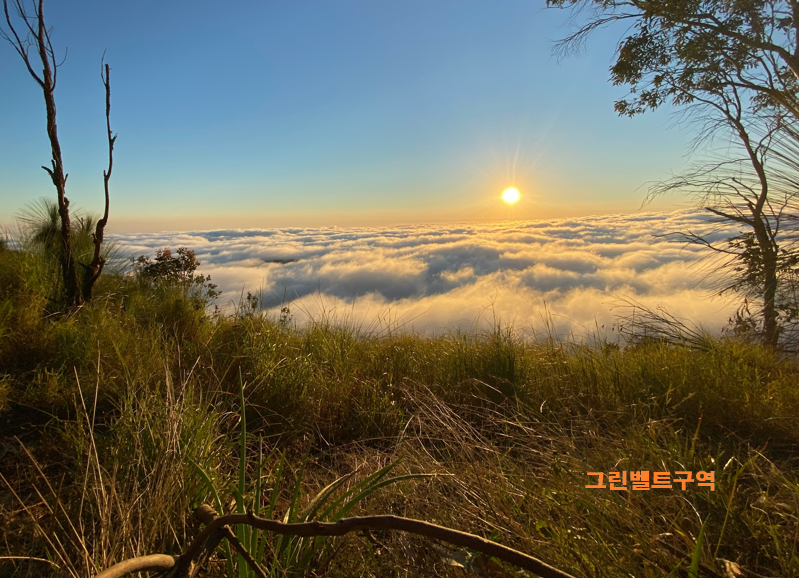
331	113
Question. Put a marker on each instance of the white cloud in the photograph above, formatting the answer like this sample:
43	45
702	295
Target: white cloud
444	277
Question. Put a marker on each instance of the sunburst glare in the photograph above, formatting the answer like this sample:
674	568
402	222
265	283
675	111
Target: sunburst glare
510	195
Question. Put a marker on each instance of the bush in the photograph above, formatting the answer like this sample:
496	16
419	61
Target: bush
177	272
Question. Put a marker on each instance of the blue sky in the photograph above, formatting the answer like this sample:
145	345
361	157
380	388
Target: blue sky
317	113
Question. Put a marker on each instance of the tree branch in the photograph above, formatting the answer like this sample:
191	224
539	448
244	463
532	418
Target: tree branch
95	268
181	565
18	45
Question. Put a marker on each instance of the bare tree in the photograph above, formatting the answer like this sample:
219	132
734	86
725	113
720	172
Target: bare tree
36	35
95	267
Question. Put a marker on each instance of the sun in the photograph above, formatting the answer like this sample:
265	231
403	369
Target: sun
510	195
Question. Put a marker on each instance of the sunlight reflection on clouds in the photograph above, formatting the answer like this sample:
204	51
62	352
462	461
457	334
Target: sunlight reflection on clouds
435	278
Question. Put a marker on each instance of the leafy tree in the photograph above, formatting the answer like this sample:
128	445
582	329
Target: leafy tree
36	35
733	67
674	49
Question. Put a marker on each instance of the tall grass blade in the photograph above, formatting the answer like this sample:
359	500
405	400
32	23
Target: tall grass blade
373	488
243	531
693	569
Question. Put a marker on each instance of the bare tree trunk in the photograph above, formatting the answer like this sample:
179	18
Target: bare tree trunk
47	81
764	235
71	289
768	250
94	268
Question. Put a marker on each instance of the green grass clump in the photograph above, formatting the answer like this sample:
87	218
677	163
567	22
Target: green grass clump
129	411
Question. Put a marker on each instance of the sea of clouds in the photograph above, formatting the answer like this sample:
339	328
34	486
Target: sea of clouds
570	275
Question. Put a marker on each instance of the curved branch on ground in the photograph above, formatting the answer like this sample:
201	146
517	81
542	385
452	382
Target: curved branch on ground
217	527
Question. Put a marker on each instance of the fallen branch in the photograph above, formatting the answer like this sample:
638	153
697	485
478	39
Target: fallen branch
219	527
152	563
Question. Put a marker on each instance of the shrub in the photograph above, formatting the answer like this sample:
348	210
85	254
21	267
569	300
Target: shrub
177	272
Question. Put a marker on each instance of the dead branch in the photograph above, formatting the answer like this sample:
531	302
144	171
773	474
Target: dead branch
94	268
219	527
152	563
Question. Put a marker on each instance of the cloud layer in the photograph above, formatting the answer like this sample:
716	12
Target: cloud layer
574	272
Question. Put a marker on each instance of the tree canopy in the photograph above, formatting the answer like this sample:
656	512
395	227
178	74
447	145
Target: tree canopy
733	67
675	50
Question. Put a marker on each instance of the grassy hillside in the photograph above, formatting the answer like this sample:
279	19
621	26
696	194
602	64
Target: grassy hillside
115	418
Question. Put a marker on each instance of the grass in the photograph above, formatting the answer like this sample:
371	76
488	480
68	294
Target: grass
118	418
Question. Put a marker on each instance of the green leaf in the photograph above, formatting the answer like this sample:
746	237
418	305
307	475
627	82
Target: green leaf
693	570
323	496
368	480
373	488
